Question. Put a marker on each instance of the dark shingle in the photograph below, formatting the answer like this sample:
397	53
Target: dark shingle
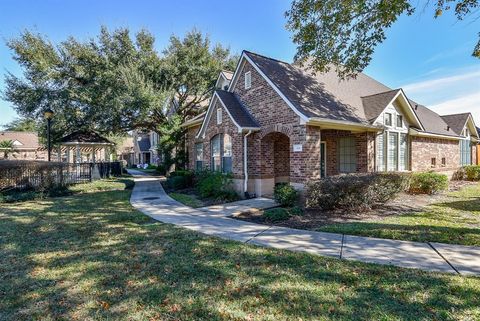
239	113
456	121
375	104
144	143
320	95
431	121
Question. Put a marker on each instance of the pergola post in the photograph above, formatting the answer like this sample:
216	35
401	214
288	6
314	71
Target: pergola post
94	152
79	155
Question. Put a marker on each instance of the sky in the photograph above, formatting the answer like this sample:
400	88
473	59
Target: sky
429	58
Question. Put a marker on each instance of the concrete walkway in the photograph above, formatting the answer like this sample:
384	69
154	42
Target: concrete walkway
149	197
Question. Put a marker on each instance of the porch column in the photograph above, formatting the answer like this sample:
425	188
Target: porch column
68	154
79	155
94	152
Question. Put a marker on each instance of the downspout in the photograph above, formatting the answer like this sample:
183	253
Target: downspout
245	165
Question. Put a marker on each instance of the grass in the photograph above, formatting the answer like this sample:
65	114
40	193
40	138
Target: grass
187	199
456	221
93	257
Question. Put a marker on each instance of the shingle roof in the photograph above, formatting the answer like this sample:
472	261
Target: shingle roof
322	94
28	140
375	104
144	143
431	121
456	121
238	112
85	136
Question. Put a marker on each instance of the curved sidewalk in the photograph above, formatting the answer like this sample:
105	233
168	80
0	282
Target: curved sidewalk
149	197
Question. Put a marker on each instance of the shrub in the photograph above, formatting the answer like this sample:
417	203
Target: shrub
355	191
472	172
285	194
151	166
276	214
215	185
295	211
161	169
180	179
428	183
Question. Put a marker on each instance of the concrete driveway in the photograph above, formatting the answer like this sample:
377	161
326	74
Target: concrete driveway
149	197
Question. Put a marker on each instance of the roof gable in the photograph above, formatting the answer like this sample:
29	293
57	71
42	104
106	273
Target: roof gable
458	122
26	140
235	110
375	105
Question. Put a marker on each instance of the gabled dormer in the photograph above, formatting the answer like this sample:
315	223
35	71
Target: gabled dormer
223	80
462	125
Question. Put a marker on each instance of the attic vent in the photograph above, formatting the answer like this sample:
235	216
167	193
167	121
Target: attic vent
248	80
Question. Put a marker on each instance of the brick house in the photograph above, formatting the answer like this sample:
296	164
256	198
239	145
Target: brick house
25	146
273	122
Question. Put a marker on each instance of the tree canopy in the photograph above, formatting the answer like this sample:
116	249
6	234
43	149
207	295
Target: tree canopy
22	125
343	34
112	83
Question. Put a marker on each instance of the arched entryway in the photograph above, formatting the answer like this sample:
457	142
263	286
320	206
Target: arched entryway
275	161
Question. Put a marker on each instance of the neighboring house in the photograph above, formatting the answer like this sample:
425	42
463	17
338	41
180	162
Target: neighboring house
25	144
125	151
144	147
278	122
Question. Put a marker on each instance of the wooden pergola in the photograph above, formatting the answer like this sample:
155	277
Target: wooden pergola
85	147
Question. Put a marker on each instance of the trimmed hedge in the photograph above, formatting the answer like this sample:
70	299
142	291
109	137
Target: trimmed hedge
285	194
180	179
428	183
355	191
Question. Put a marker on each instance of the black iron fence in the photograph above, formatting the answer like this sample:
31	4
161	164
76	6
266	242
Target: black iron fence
38	175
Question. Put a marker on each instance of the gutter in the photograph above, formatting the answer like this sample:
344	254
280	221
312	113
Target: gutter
341	124
245	165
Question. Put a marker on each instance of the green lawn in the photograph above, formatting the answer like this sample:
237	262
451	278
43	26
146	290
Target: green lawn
186	199
456	221
93	257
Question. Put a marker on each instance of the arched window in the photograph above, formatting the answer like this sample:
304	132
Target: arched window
221	153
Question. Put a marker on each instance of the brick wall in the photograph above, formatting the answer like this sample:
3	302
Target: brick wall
226	127
423	149
273	115
365	149
191	133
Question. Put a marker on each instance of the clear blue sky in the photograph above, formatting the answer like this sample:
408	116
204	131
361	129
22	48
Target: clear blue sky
429	58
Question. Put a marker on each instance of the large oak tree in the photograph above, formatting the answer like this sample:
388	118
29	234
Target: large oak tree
115	82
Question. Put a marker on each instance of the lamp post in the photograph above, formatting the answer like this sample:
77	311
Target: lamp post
48	114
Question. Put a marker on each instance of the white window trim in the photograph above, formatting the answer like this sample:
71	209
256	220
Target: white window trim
248	80
219	116
386	152
385	117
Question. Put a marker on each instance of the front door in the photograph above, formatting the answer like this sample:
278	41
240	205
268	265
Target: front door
323	159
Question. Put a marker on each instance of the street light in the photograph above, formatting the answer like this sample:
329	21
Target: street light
48	114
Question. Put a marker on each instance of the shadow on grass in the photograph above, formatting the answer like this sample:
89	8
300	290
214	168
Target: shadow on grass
92	256
471	204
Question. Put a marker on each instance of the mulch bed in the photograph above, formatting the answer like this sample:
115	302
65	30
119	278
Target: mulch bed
404	203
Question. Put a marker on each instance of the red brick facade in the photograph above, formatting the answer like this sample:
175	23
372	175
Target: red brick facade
270	150
423	149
